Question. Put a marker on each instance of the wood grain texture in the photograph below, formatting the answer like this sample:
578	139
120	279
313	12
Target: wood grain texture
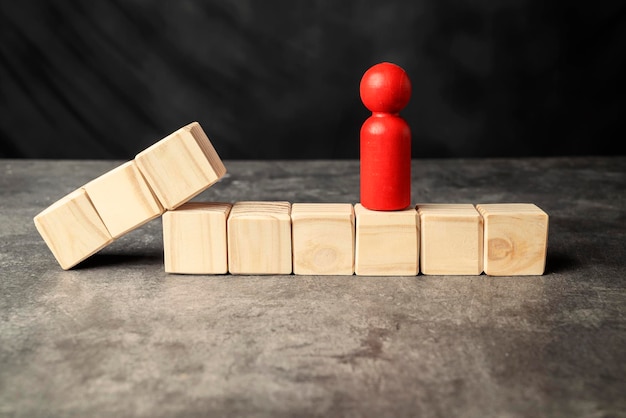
516	239
123	199
323	237
451	239
72	229
259	238
181	165
387	243
194	238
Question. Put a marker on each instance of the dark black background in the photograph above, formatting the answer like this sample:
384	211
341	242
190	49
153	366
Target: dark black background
279	79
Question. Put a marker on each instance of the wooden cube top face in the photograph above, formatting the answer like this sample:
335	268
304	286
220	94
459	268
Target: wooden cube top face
259	238
262	210
332	210
123	199
516	239
194	238
446	209
376	217
451	239
181	165
323	238
510	209
193	208
72	229
387	243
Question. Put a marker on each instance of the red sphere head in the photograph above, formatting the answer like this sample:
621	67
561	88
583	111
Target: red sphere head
385	87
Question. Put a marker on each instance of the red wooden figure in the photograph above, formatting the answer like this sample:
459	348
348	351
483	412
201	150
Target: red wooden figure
385	139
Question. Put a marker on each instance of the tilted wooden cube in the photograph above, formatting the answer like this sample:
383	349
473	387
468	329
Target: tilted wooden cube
123	199
72	229
451	239
516	239
387	243
194	238
323	238
259	238
181	165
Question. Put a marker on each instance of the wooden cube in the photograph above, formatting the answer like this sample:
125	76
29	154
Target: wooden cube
181	165
387	243
259	238
72	229
323	238
451	239
516	239
194	238
123	199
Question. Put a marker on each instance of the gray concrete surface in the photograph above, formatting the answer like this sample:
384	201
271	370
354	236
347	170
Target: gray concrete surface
119	337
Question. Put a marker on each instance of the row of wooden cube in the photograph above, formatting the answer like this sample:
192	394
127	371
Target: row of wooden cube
162	177
342	239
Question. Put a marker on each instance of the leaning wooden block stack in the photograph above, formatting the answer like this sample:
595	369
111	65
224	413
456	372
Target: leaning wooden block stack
383	235
164	176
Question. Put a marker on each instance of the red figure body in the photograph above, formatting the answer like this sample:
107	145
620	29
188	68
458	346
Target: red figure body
385	139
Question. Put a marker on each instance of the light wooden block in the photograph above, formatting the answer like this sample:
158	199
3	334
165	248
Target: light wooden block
259	238
72	229
181	165
323	238
451	239
516	239
387	243
123	199
194	238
